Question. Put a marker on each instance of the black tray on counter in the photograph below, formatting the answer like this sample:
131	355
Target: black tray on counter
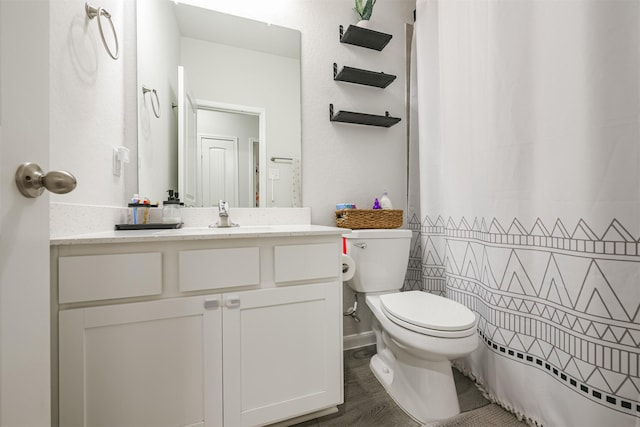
155	226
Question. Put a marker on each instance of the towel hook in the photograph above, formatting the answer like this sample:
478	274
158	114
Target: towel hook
92	12
156	106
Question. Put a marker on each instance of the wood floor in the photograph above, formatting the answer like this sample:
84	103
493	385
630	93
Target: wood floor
367	404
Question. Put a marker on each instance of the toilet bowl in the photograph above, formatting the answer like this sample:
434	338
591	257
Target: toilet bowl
417	333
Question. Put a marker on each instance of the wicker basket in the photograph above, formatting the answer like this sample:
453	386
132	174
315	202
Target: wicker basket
358	219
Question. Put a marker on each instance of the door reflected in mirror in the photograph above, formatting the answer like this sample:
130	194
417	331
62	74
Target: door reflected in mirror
233	107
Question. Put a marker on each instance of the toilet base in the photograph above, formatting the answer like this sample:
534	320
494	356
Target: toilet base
415	369
425	393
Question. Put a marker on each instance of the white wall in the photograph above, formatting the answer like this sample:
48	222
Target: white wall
92	102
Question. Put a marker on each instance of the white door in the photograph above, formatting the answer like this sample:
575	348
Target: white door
187	135
219	171
24	223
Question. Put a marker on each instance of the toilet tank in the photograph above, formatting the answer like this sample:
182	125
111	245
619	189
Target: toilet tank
381	258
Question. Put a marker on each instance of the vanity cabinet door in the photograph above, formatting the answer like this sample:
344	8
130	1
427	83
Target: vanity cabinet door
149	364
282	353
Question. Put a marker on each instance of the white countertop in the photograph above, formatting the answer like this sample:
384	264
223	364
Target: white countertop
197	233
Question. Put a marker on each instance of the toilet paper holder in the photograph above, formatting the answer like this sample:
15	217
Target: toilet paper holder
348	267
353	310
348	270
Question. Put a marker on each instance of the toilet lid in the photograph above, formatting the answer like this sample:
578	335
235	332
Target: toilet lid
429	311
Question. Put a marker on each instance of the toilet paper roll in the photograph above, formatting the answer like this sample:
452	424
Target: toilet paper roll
348	268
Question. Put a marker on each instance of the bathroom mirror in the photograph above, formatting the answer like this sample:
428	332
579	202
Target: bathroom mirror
218	107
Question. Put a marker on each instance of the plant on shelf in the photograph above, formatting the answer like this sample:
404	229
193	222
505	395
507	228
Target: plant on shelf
364	9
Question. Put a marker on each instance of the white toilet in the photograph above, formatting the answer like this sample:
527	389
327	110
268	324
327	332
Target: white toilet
417	333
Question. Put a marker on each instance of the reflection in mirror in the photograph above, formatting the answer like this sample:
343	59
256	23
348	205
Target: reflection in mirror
229	90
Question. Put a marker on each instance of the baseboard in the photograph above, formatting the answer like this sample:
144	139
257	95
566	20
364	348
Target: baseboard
307	417
363	339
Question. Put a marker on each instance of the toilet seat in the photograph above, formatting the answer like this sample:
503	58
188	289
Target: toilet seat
428	314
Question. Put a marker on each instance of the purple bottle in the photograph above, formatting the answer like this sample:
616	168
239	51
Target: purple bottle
376	204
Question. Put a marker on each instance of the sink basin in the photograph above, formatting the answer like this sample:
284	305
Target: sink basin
240	229
188	231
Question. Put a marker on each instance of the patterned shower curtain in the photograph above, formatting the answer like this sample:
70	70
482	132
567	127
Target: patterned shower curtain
525	197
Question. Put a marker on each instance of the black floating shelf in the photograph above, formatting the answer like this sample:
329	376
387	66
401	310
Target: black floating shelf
385	121
362	77
364	37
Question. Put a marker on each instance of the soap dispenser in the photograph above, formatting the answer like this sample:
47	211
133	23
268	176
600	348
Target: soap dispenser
171	209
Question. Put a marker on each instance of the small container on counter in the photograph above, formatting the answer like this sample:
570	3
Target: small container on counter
171	209
139	212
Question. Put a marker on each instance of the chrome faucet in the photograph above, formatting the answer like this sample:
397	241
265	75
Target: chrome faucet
223	215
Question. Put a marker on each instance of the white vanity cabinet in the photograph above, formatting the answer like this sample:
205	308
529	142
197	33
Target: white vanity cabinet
230	340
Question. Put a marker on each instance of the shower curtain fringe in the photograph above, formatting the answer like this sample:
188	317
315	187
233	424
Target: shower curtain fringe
491	398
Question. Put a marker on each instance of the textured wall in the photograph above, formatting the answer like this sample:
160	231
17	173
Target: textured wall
93	101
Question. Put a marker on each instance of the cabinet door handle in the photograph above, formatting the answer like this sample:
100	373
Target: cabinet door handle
232	301
211	304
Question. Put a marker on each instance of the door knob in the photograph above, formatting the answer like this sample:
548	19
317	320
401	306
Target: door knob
32	181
